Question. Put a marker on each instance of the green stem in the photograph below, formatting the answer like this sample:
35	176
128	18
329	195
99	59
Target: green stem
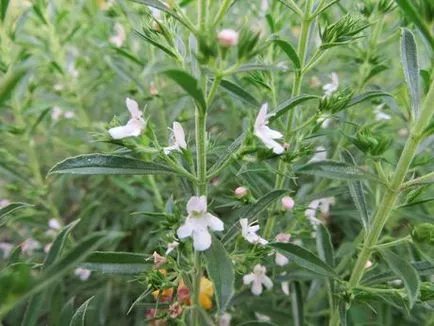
391	193
222	10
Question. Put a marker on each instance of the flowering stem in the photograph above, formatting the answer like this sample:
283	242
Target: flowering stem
296	90
391	193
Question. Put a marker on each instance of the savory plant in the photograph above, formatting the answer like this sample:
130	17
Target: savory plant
273	164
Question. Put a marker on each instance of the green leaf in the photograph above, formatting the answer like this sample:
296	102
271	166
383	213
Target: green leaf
423	268
4	4
12	207
342	312
297	304
10	81
226	156
33	309
259	67
289	51
262	203
324	245
221	272
79	316
239	92
61	267
66	313
334	170
367	96
357	193
410	67
189	84
413	15
110	262
157	44
403	269
107	164
59	243
304	258
291	103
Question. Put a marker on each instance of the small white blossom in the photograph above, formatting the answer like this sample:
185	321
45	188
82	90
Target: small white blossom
47	247
6	248
262	317
249	232
54	224
4	203
134	126
285	287
321	204
29	246
241	192
320	155
171	246
119	37
332	87
82	273
155	12
287	203
177	141
379	114
280	259
265	134
228	38
69	114
257	279
198	222
56	113
225	319
368	264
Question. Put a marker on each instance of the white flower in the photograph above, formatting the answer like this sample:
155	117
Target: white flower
258	279
287	203
155	12
56	113
82	273
69	114
4	203
134	126
29	246
265	134
332	87
249	232
177	141
171	246
323	204
6	248
320	155
197	223
368	264
228	38
280	259
241	192
225	319
118	38
47	247
285	287
262	317
379	114
54	224
265	4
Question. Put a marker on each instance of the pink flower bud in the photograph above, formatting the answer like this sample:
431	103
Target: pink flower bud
241	192
283	237
228	38
158	259
287	203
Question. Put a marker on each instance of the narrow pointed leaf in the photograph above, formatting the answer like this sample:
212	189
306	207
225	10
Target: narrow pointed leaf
4	4
357	193
221	272
324	245
33	309
367	96
334	170
107	164
412	13
79	316
304	258
410	67
11	208
239	92
227	154
262	203
403	269
59	243
66	313
9	82
297	304
109	262
289	104
289	51
189	84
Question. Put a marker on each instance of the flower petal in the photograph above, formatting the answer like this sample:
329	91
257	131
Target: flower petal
281	260
267	282
133	107
256	287
214	223
247	279
197	204
201	240
185	230
179	134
